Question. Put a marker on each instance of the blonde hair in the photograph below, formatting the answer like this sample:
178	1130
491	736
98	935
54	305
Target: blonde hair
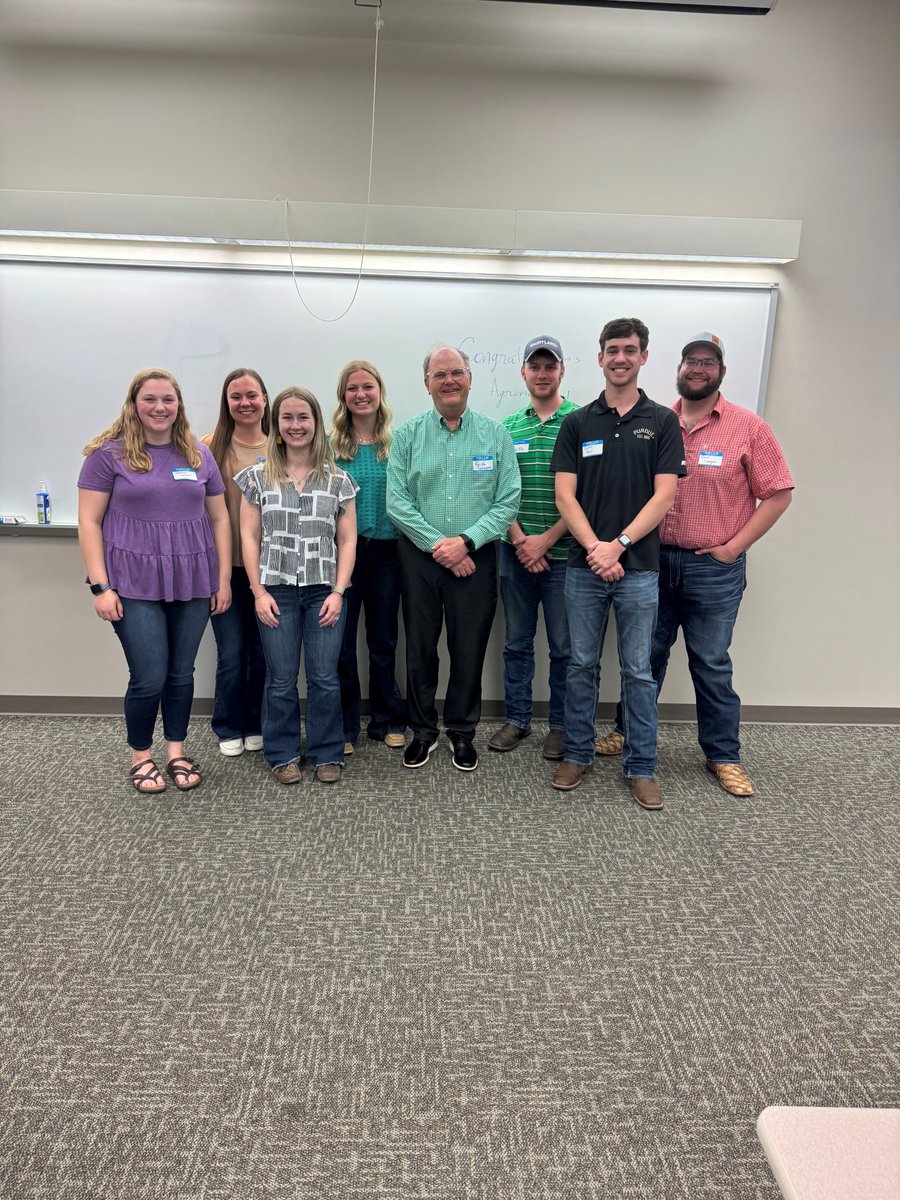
274	470
343	443
128	430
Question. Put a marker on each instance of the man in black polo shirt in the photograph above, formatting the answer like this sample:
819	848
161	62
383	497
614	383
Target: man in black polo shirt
617	462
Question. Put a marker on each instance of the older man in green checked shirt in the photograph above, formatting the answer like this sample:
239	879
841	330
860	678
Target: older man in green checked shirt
453	490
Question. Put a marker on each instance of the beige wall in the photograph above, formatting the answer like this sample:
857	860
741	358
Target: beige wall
793	115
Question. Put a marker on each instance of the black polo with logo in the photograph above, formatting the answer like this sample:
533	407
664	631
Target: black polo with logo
616	460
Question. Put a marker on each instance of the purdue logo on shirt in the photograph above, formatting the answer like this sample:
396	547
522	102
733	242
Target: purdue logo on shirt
645	434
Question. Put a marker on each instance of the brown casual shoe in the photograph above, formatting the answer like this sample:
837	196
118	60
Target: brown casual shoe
553	744
611	744
396	741
732	777
289	773
328	772
568	775
348	748
646	792
508	737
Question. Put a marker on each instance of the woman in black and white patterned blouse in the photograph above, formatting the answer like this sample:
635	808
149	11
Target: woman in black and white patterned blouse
298	535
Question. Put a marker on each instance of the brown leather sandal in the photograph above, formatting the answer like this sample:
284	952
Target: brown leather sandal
179	769
149	776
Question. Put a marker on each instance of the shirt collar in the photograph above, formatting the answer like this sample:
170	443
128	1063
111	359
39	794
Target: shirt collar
717	409
644	405
563	411
438	419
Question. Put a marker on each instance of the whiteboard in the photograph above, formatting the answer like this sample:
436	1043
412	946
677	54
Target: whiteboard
72	336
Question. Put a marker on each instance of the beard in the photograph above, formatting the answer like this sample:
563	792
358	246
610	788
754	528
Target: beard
542	392
698	391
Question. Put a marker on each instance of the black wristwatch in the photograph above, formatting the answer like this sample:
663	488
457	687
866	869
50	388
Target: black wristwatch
98	588
624	540
468	543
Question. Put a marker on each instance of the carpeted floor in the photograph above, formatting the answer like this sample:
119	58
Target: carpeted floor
434	985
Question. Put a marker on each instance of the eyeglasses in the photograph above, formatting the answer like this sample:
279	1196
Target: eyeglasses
456	374
706	363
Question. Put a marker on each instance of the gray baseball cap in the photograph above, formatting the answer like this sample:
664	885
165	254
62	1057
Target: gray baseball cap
550	344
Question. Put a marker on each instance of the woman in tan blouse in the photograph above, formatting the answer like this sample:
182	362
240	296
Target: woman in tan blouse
239	441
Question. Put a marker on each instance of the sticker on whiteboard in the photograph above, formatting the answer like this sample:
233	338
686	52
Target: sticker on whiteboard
592	449
482	462
710	458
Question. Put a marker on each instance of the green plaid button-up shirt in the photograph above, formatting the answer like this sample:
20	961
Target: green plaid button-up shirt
446	482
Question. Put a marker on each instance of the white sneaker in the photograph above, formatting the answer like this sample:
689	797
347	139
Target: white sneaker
232	747
253	742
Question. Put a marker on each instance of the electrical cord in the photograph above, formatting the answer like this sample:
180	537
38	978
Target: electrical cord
379	24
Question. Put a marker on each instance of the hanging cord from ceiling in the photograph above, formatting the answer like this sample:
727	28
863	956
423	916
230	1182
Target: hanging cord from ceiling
379	25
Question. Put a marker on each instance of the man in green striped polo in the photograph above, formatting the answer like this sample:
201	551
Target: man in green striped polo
533	553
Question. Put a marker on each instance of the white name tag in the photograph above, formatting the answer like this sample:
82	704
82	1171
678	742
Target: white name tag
521	447
482	462
184	473
591	449
710	458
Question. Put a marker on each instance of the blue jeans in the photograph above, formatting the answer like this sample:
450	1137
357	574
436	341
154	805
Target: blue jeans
298	628
702	596
522	593
375	586
240	666
633	598
160	639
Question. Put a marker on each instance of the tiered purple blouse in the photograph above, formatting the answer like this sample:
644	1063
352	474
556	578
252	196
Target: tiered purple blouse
157	538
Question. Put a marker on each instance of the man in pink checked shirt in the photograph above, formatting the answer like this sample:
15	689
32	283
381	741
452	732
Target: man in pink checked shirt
737	486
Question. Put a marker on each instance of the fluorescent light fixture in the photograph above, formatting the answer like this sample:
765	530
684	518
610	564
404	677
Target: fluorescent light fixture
739	8
515	233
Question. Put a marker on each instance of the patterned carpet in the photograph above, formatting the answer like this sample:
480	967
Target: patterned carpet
434	985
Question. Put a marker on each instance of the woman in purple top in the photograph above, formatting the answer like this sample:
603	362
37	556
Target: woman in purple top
156	541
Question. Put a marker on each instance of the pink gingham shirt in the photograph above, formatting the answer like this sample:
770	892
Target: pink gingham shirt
733	461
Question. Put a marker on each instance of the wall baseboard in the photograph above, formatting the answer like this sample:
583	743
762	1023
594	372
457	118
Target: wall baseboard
768	714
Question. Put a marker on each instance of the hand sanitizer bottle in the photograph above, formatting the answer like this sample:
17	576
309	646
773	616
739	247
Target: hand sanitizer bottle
43	504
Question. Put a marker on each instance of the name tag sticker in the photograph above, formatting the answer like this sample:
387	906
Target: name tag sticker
184	473
482	462
591	449
710	458
521	447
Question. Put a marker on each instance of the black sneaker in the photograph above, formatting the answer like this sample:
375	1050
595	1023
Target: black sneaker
465	756
418	752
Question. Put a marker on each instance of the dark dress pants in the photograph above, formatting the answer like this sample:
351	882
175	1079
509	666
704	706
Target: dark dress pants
434	597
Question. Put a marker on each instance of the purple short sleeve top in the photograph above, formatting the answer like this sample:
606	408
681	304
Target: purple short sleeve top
157	537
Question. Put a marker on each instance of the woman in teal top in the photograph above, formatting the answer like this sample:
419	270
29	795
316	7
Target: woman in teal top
360	442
